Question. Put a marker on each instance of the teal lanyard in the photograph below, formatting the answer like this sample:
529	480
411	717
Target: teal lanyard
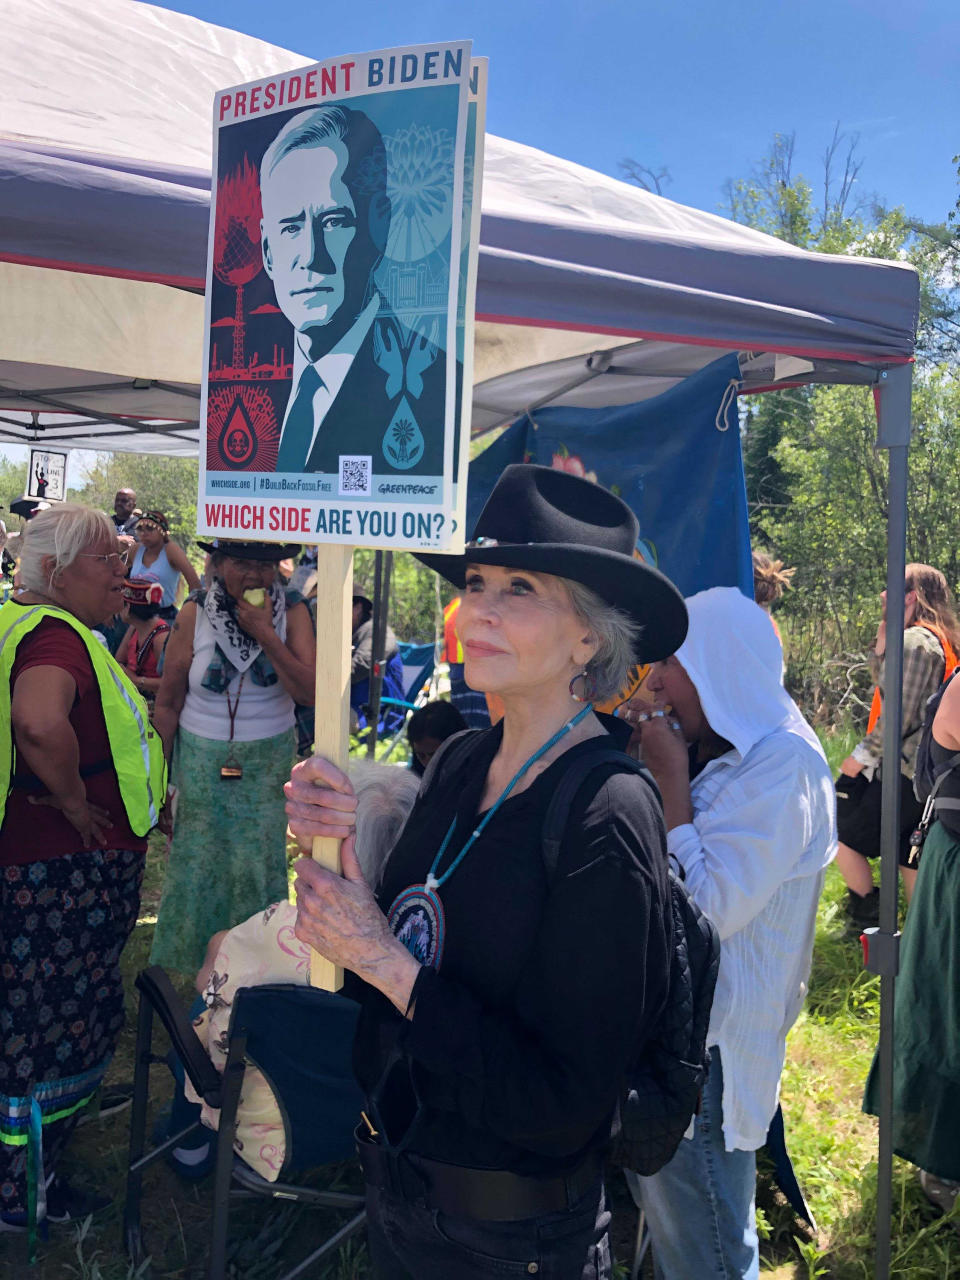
433	882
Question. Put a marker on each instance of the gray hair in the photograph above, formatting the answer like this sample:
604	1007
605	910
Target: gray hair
385	796
616	634
60	534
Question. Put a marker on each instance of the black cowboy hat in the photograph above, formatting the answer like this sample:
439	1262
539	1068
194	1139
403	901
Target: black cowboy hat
251	550
550	521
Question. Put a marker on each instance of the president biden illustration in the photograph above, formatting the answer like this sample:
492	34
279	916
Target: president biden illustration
363	382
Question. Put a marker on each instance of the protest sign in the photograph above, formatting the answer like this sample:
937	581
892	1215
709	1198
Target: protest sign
467	289
339	304
47	476
339	331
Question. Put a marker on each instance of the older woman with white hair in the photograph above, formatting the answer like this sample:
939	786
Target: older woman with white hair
82	779
502	1001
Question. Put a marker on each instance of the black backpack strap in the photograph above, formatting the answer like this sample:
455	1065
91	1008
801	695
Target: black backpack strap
450	754
565	792
928	777
941	770
935	802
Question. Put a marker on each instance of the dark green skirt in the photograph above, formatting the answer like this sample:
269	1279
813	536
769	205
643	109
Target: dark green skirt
926	1071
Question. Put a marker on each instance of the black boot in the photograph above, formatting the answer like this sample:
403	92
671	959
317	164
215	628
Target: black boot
863	910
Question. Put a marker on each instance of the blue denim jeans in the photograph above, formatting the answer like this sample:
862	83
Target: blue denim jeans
411	1242
700	1206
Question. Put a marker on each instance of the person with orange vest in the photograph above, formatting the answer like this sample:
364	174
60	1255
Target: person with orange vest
473	706
930	642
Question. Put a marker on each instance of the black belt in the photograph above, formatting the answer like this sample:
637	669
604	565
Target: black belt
492	1195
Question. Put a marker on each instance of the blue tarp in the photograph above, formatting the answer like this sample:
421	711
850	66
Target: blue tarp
670	462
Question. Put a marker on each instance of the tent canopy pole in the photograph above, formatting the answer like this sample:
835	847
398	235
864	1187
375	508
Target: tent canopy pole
383	568
893	434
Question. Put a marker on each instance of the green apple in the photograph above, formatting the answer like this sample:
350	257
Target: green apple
255	596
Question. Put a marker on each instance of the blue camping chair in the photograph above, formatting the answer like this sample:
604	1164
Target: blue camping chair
416	670
301	1039
418	662
392	698
404	689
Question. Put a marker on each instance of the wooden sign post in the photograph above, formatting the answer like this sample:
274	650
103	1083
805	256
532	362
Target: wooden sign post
332	705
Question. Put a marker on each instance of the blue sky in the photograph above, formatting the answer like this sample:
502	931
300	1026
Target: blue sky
692	85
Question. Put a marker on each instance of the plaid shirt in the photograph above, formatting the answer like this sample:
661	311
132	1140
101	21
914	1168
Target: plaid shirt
923	668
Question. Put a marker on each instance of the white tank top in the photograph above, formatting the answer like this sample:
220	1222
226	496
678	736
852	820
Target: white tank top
262	712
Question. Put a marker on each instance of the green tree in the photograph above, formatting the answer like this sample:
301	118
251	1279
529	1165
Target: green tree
833	529
816	484
773	199
164	484
413	594
13	480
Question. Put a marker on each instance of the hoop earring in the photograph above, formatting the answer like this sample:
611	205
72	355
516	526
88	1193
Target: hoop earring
589	687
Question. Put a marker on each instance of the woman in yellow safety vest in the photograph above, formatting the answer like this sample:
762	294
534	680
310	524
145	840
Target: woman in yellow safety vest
82	781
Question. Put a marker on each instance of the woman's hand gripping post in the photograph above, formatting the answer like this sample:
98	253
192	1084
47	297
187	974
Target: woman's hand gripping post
338	915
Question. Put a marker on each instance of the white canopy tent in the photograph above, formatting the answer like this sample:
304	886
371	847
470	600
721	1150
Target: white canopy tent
591	292
104	196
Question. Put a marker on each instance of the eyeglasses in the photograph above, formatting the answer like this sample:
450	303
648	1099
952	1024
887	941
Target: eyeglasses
122	557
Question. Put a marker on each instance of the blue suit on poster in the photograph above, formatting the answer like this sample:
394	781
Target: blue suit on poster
364	383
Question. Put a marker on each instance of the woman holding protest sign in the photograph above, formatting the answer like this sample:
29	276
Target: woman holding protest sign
482	975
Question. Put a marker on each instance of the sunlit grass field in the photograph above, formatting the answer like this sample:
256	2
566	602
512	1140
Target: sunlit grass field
832	1143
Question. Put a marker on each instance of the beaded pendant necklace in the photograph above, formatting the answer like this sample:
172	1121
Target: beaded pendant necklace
416	914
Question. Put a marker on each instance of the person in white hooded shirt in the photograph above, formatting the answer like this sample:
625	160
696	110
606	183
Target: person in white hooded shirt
750	812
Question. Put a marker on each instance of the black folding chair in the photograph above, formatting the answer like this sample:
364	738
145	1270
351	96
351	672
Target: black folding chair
300	1038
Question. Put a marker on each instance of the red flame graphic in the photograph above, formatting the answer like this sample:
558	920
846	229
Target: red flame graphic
236	242
242	429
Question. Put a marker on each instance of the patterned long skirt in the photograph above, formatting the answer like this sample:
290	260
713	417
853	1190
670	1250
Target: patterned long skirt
63	926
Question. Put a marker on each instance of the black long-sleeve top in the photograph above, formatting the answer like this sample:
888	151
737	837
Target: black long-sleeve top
518	1044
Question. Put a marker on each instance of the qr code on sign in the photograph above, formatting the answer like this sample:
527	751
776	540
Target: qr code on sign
355	477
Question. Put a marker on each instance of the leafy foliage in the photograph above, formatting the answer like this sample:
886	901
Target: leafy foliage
414	594
13	480
816	483
163	484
